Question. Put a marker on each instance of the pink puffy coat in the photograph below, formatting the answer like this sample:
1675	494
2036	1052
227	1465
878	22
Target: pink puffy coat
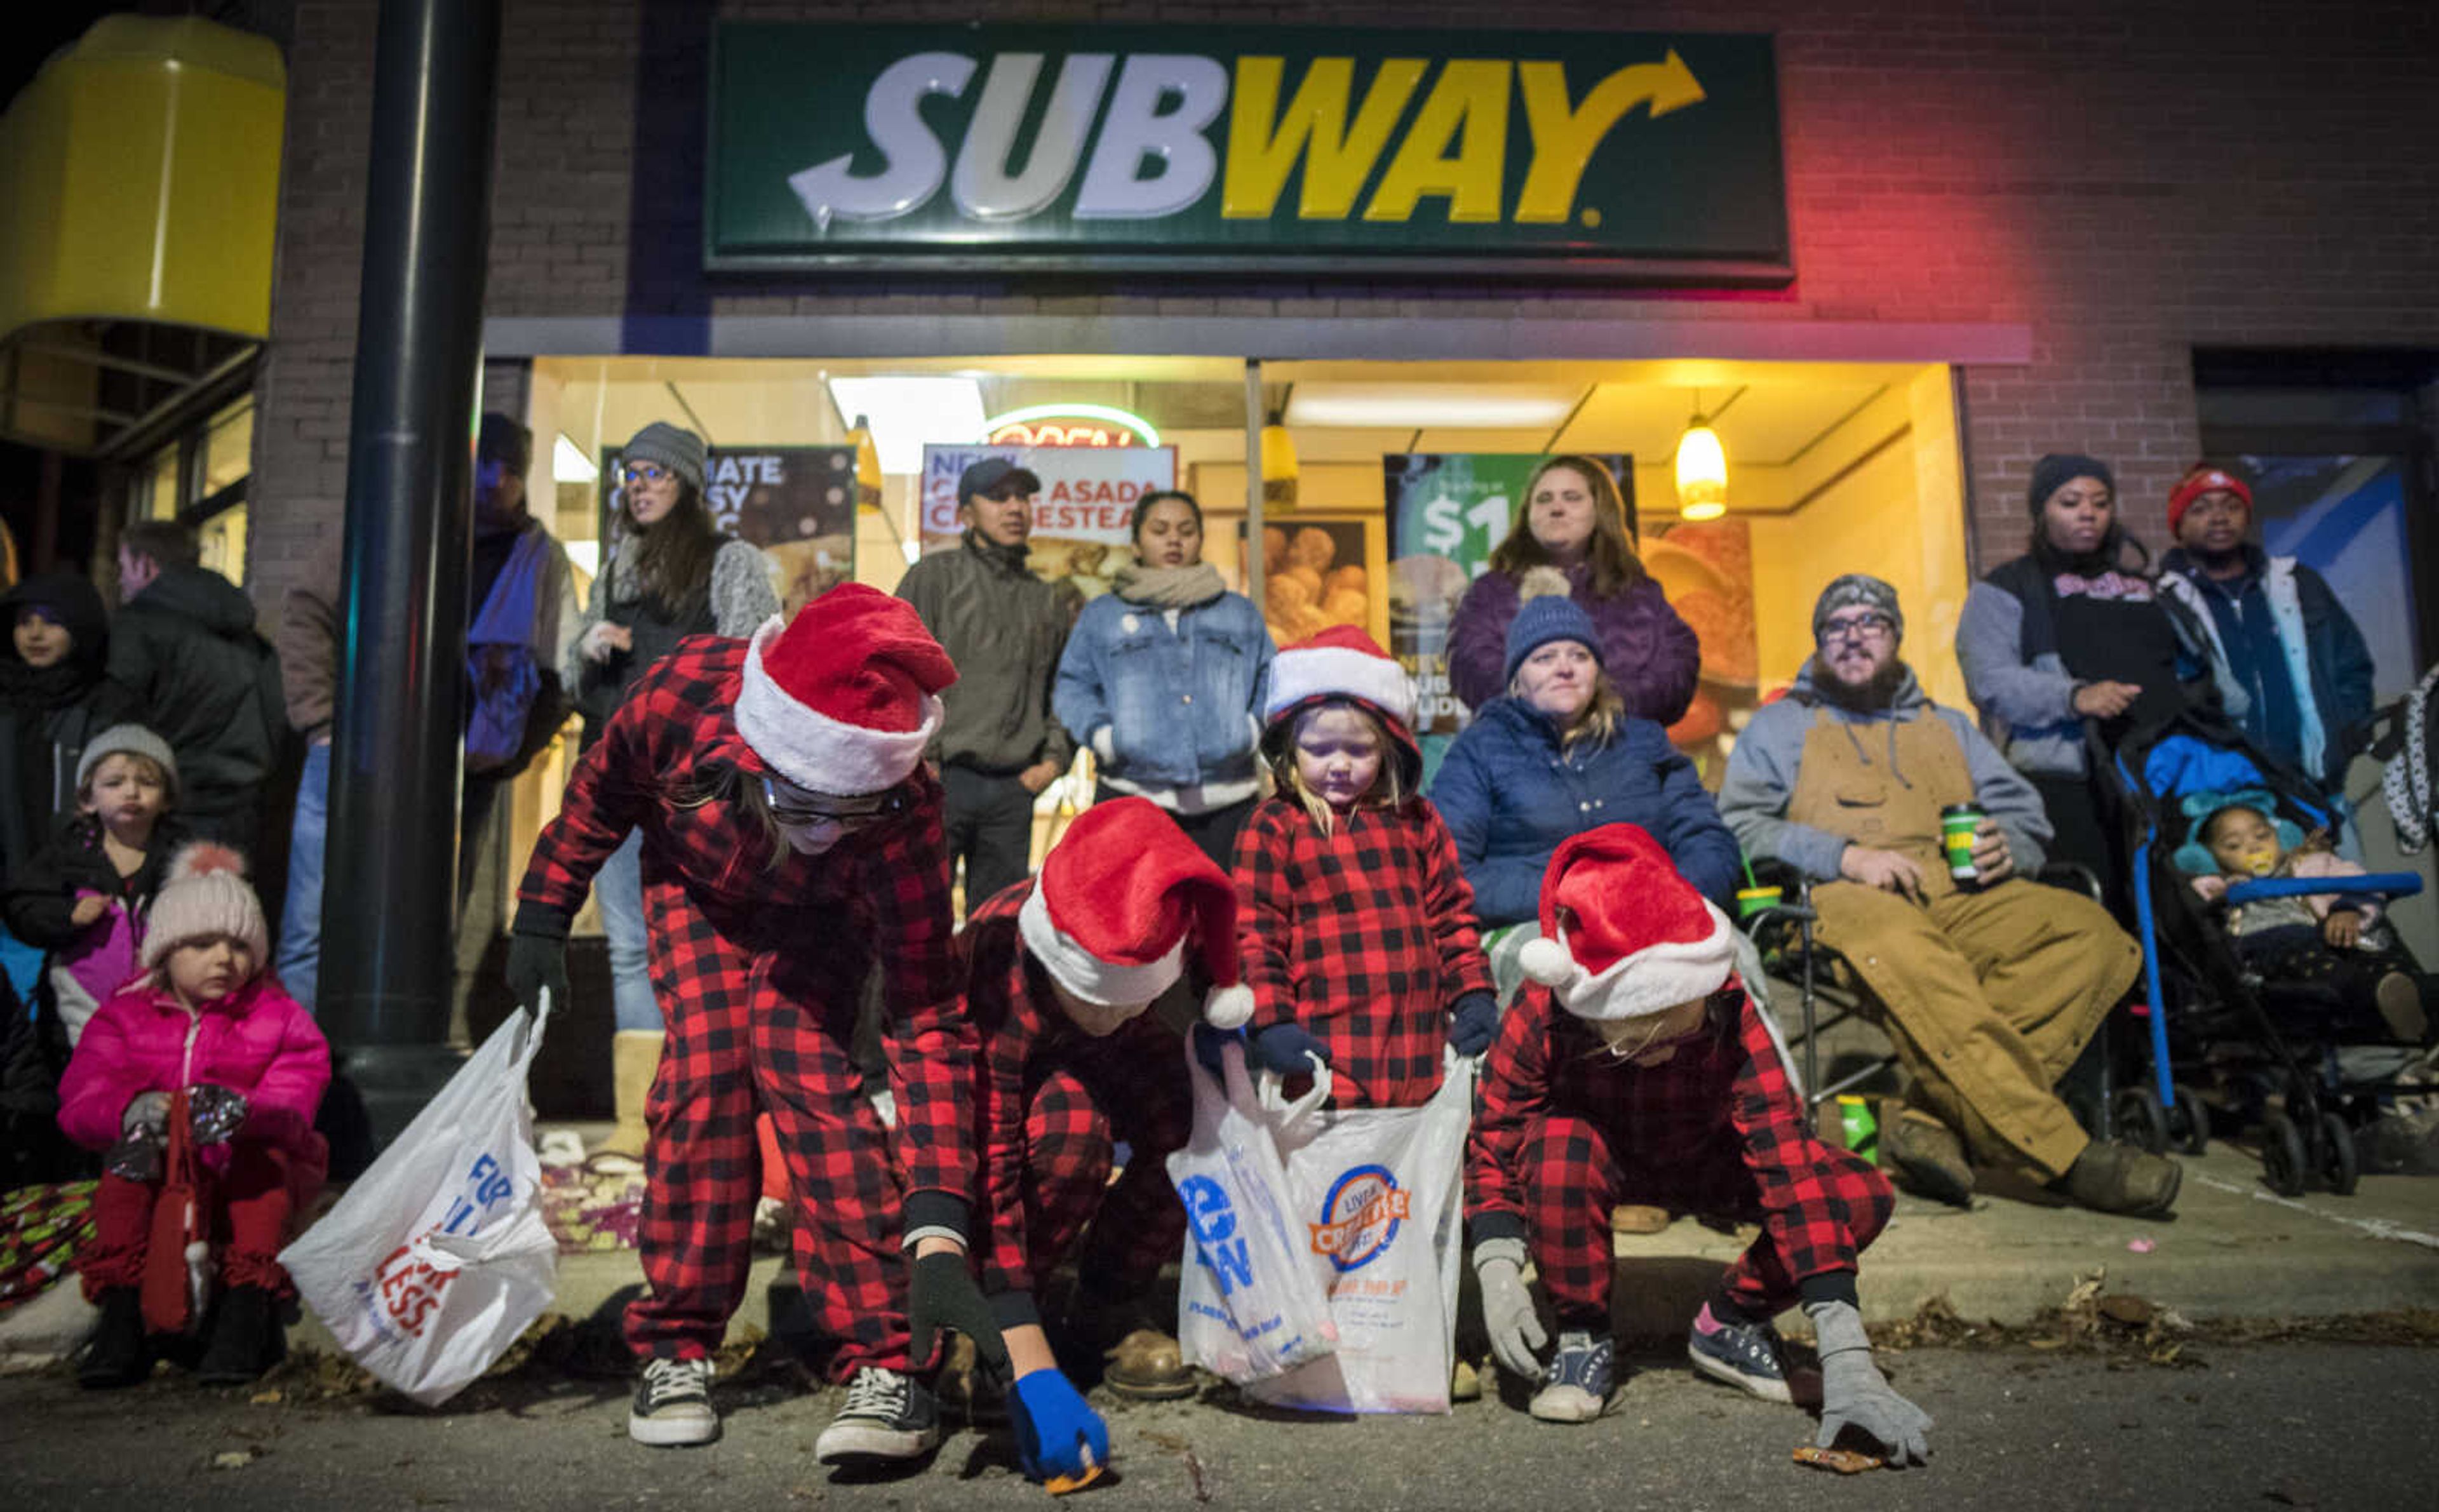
256	1040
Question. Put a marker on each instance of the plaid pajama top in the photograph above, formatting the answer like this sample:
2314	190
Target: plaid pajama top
817	918
1723	1097
1025	1037
1364	936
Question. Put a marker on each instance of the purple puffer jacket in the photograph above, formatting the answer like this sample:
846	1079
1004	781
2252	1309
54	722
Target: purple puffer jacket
1648	651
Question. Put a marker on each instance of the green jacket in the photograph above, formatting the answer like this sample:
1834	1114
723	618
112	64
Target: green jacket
1004	628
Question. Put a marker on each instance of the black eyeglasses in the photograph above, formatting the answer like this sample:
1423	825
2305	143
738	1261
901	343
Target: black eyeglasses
645	472
796	813
1869	626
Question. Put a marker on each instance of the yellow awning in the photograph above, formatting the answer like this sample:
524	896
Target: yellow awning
139	186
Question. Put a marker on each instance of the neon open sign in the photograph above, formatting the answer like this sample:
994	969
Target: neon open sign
1069	425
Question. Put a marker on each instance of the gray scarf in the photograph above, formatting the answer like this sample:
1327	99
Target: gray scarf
1168	587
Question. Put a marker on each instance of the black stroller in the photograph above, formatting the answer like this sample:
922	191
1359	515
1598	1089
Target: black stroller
2264	1049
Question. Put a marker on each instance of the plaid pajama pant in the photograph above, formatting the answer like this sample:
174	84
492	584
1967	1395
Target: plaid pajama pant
1128	1229
751	1028
1571	1178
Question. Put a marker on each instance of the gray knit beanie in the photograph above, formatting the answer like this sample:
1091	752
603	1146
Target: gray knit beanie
670	445
1856	588
128	739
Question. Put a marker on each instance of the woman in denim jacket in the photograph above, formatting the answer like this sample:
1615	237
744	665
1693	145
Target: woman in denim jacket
1163	677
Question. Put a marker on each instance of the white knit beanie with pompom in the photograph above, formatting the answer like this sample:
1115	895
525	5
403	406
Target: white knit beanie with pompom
205	897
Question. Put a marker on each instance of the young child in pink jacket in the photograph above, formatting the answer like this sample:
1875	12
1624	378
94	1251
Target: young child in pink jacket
205	1016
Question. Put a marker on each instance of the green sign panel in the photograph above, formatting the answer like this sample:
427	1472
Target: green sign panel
1594	153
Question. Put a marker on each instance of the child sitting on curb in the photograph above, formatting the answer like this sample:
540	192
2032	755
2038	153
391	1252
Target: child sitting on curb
1636	1070
203	1017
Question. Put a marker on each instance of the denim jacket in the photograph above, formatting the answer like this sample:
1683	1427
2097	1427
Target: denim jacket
1162	706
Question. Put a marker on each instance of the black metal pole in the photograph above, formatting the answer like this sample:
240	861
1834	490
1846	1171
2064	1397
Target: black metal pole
390	877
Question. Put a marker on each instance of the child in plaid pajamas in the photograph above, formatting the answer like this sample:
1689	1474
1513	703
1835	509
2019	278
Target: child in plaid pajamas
1636	1070
789	835
1060	972
1356	926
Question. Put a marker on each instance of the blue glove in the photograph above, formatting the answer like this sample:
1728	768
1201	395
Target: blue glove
1208	1042
1473	1022
1055	1432
1281	1049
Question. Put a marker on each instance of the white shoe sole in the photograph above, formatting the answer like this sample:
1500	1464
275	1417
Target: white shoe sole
846	1443
1566	1404
675	1429
1768	1391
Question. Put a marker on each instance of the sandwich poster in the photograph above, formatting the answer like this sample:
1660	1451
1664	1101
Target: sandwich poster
1446	512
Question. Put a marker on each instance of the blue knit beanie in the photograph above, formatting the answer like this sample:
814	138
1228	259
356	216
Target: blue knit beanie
1551	617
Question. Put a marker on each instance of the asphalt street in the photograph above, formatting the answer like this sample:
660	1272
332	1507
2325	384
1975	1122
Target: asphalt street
2293	1425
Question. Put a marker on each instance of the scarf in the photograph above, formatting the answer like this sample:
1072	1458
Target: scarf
1168	587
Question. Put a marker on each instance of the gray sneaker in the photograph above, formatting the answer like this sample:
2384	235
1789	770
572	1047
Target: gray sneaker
673	1404
888	1417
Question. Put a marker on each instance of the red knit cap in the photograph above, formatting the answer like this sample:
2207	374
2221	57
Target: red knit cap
2205	478
1623	934
1117	901
844	698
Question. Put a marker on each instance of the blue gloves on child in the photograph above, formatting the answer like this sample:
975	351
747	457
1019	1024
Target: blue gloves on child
1473	1022
1281	1049
1056	1434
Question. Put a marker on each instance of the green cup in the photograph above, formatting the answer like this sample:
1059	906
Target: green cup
1751	901
1958	823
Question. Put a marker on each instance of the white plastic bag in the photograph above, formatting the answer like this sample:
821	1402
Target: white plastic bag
1379	1203
1248	1304
437	1258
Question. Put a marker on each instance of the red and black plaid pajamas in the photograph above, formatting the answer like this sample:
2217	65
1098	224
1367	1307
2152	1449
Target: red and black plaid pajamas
1051	1104
1364	936
758	968
1568	1131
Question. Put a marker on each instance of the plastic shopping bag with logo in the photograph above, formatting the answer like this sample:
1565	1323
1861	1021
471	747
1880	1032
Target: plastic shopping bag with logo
1379	1204
1249	1306
437	1258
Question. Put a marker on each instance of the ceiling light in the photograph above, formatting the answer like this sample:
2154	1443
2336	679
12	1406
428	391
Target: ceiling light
905	414
1417	406
1701	473
867	463
1278	465
568	463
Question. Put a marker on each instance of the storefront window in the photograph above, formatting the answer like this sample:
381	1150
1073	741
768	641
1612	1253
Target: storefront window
160	500
200	477
228	448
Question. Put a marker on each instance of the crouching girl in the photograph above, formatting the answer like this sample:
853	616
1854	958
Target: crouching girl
1636	1070
204	1018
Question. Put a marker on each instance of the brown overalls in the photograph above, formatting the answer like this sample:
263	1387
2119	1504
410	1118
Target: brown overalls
1988	995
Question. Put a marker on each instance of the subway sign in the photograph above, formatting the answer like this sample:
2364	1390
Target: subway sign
1633	155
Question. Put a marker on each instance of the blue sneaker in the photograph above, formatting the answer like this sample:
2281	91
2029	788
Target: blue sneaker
1743	1355
1575	1383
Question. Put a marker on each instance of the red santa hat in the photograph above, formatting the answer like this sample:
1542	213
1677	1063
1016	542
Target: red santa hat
204	897
1622	933
844	698
1116	901
1341	662
2203	478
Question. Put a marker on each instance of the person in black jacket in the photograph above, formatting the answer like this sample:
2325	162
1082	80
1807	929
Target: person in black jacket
202	676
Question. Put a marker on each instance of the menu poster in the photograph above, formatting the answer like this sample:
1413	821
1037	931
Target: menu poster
1080	518
797	503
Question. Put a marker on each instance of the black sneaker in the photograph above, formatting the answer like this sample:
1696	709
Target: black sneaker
1744	1355
117	1353
246	1339
673	1404
888	1417
1575	1383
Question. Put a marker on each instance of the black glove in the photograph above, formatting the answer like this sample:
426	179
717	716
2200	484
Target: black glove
215	1113
942	1294
535	962
1473	1022
1281	1050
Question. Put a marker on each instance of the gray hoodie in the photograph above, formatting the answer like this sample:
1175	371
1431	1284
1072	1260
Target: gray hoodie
1762	776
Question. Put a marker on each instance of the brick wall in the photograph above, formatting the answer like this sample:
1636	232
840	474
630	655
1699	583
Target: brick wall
2129	181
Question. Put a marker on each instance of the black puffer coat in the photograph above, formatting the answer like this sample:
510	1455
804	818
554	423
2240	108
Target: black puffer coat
46	714
205	681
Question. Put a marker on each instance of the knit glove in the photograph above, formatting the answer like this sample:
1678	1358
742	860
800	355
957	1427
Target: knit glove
1281	1050
942	1294
1208	1042
537	961
1056	1434
1853	1392
1516	1331
148	1111
1473	1022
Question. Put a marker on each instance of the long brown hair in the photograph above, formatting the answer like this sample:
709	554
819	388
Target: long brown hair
1615	567
671	561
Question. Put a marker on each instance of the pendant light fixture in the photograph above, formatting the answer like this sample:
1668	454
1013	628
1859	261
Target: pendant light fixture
867	464
1701	468
1278	462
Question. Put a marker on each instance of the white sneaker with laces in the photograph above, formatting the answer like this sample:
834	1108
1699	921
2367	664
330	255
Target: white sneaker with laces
887	1416
673	1404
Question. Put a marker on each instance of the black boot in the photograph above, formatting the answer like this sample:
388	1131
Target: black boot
246	1339
117	1354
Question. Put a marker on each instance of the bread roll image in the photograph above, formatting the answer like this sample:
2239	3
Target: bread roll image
1346	607
1312	547
1345	581
1285	591
1274	548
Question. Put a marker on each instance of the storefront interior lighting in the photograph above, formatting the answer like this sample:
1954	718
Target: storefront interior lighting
868	462
1108	413
904	413
1701	471
568	463
1425	406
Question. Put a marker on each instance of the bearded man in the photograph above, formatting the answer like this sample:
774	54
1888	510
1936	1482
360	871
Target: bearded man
1989	987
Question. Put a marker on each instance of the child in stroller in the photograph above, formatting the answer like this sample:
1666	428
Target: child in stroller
2335	939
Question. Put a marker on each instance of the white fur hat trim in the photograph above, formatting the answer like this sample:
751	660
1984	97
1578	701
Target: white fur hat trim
1652	979
1107	984
1338	671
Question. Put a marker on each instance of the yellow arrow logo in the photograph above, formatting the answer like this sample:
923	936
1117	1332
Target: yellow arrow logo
1563	138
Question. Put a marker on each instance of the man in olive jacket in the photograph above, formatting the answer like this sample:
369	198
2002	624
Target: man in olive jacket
999	745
